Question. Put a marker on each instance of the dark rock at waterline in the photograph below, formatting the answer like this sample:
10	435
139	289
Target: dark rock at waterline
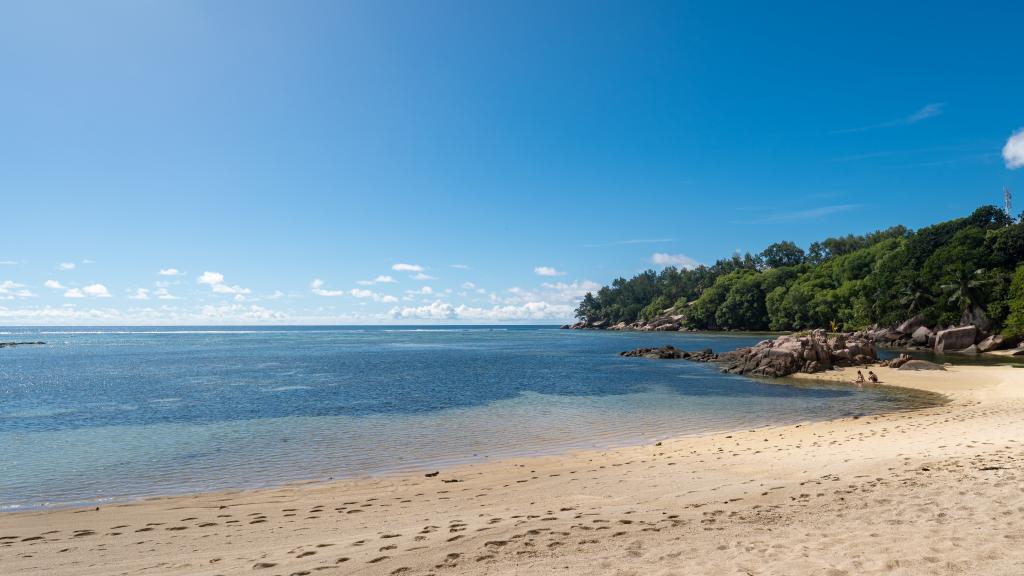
807	353
11	344
955	339
920	365
670	352
783	356
897	361
905	362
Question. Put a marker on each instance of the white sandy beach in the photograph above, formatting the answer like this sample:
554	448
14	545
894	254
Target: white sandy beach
935	491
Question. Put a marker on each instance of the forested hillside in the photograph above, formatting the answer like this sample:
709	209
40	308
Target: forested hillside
967	270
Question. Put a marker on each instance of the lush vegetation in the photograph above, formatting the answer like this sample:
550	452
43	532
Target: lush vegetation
964	270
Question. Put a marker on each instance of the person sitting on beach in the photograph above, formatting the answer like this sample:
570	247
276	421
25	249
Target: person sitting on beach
872	377
860	378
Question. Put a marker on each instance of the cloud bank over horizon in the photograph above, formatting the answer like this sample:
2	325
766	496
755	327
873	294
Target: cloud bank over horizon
211	299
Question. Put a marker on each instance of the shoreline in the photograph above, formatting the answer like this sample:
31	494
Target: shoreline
551	450
603	511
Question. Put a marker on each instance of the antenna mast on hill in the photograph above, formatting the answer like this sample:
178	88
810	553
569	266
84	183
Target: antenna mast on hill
1008	201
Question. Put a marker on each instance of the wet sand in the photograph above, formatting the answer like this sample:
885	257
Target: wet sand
934	491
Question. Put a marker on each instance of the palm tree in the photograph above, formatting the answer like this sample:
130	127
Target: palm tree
965	288
915	296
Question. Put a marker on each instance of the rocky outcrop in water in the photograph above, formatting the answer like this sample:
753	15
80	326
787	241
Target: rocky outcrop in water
955	339
906	362
808	353
669	352
12	344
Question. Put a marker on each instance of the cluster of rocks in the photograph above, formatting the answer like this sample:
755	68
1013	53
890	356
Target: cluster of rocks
906	362
10	344
973	336
918	333
808	353
669	352
668	321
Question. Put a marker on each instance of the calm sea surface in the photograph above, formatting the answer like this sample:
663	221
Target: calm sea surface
102	414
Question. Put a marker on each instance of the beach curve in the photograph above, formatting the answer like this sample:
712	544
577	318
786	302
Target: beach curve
931	491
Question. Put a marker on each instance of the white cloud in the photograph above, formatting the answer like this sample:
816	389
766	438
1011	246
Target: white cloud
163	294
436	310
382	279
74	293
547	271
468	286
564	293
229	313
66	265
140	294
440	310
88	261
8	262
225	289
459	266
216	282
552	293
317	287
59	315
53	284
96	291
363	293
422	276
211	278
421	290
677	260
1013	152
241	312
174	272
10	290
400	267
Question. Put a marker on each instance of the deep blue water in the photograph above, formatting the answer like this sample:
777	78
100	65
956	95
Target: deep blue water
112	413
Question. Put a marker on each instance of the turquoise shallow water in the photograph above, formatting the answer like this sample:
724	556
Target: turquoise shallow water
101	414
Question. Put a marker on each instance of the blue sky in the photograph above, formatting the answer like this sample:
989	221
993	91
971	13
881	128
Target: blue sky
367	162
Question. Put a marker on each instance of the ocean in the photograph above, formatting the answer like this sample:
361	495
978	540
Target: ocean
109	414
